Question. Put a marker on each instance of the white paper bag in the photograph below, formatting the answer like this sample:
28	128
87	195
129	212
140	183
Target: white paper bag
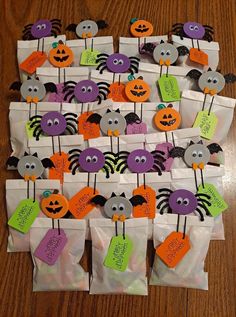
108	281
16	190
189	272
66	273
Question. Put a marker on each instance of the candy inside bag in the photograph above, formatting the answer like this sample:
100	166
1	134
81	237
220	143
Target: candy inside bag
66	273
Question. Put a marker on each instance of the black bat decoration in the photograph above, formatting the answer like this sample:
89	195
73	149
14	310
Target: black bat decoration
177	151
194	74
230	78
50	87
47	163
214	148
16	85
94	118
102	24
132	118
12	161
137	200
71	27
182	50
99	200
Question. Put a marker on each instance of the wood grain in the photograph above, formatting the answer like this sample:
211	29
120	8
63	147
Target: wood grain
16	297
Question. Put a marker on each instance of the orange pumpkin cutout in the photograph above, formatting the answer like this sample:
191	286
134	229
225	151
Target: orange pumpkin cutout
54	205
137	90
141	28
167	119
61	55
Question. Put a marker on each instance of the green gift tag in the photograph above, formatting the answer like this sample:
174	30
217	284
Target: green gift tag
88	57
169	88
24	215
218	205
207	123
118	254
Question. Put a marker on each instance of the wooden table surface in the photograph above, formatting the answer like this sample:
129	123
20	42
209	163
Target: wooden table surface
16	296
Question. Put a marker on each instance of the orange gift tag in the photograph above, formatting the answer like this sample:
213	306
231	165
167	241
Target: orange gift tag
88	129
198	56
117	92
61	166
173	249
79	205
148	209
36	59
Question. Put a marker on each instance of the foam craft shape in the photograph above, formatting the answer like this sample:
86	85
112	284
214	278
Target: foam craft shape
61	56
55	206
141	28
137	90
167	119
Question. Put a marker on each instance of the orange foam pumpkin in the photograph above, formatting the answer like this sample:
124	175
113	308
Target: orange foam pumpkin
167	119
141	28
55	205
137	90
61	56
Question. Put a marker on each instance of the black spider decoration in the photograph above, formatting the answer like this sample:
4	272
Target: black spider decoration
41	29
193	30
117	63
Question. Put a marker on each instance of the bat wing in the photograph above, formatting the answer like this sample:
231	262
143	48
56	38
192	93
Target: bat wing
94	118
230	78
194	74
101	24
16	85
98	200
214	148
50	87
71	27
132	118
47	163
177	152
183	50
137	200
12	161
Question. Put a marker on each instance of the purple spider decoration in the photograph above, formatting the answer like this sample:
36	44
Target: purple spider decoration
42	28
86	91
193	30
117	63
183	202
141	161
54	123
91	160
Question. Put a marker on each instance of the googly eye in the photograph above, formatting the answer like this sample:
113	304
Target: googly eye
39	26
32	166
209	79
49	123
88	159
114	207
27	165
143	159
163	52
115	61
84	27
84	89
196	28
110	121
137	159
191	27
30	88
56	121
179	200
89	89
36	88
94	159
168	52
194	154
215	80
44	26
116	120
186	201
121	207
200	154
89	26
121	62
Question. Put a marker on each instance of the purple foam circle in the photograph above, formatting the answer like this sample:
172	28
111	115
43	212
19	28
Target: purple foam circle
194	30
182	202
53	123
41	28
86	91
118	63
91	160
140	161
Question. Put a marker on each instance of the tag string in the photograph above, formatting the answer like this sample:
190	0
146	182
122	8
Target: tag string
185	224
198	47
88	179
192	43
43	45
167	71
94	184
116	229
34	191
52	223
119	80
38	45
64	71
59	229
27	189
173	139
30	106
137	179
61	106
166	137
141	115
59	144
124	230
85	43
211	104
195	177
118	146
161	71
138	43
82	108
36	108
113	78
88	108
204	101
134	107
111	143
202	178
144	181
92	45
177	228
53	146
59	75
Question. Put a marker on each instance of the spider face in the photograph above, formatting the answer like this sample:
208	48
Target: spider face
196	153
33	88
140	161
165	53
31	166
87	28
53	123
118	205
41	28
118	63
113	121
86	91
182	202
91	160
212	81
194	30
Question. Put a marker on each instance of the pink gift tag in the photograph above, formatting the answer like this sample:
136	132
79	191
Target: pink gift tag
136	128
59	96
51	246
166	147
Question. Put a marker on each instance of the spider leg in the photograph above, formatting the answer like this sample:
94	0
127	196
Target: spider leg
104	88
74	169
74	156
104	95
102	55
158	152
110	166
123	169
200	213
74	150
68	87
56	28
120	166
124	152
101	83
160	164
71	120
204	201
207	37
28	26
69	130
74	162
203	195
54	33
157	169
109	153
102	68
35	123
57	20
36	117
37	135
69	124
178	24
107	171
165	190
208	26
159	157
169	211
133	58
99	99
133	69
108	158
162	202
205	208
66	83
162	195
70	114
161	211
121	158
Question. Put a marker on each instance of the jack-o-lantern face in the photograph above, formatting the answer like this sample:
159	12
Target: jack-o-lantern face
141	28
61	56
137	90
55	206
167	119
